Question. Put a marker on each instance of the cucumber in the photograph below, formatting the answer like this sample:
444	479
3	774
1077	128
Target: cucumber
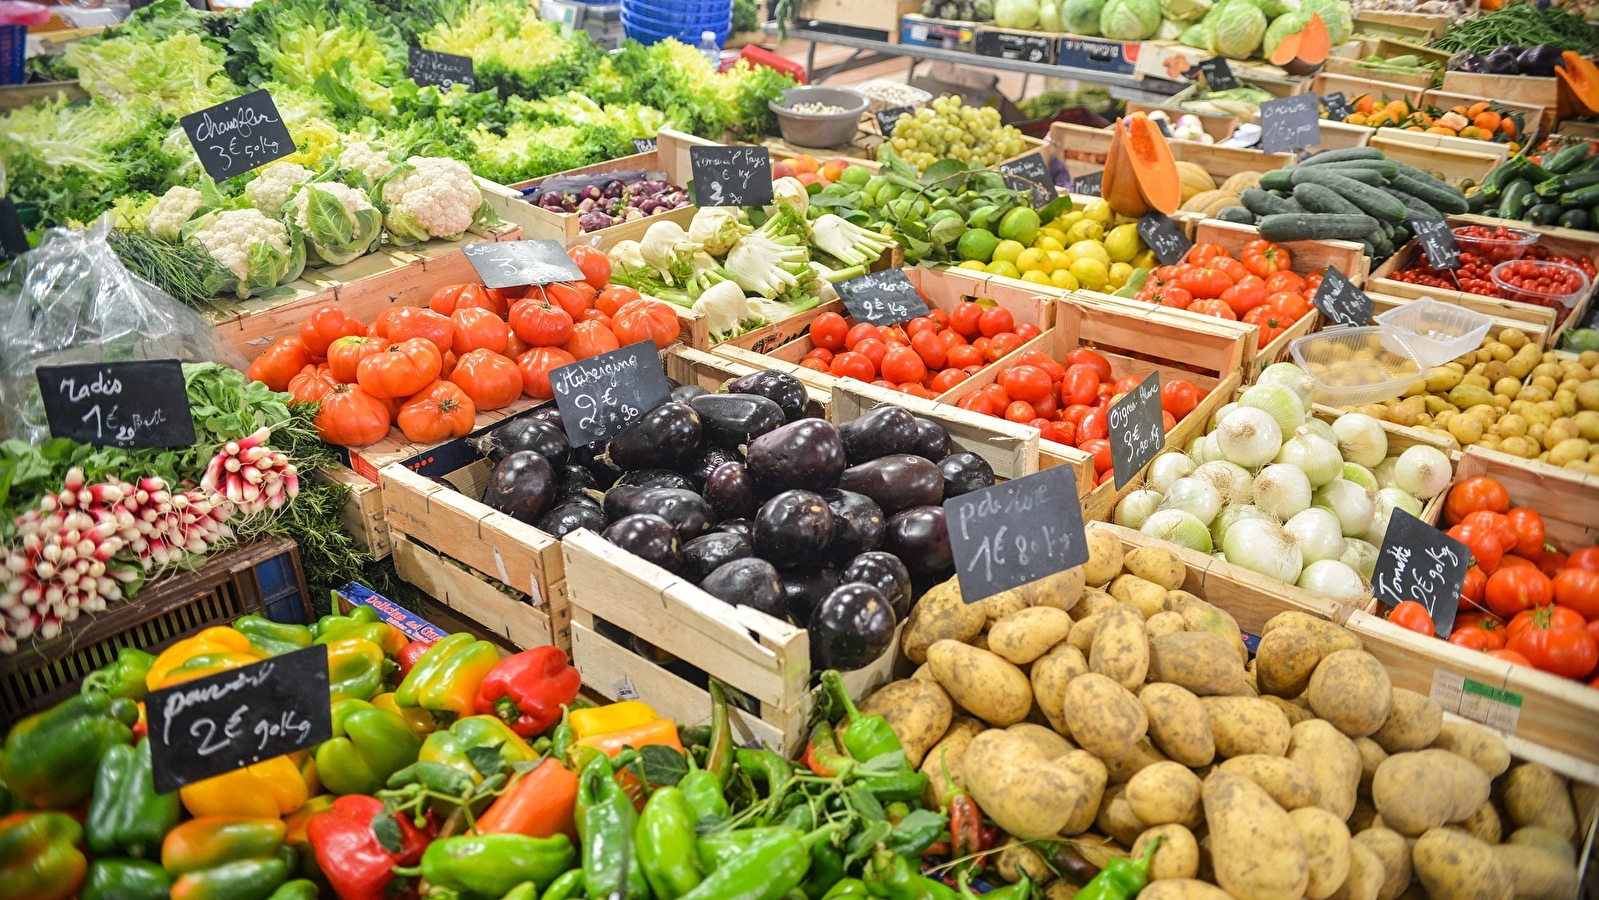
1475	202
1438	195
1416	206
1374	201
1385	167
1344	155
1544	213
1277	180
1566	159
1574	218
1263	204
1507	172
1317	199
1514	201
1238	214
1401	235
1381	247
1585	197
1308	227
1362	174
1568	182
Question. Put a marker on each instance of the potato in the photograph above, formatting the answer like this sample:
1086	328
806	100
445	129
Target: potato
1061	590
1182	889
1290	783
1156	564
1532	794
1365	875
1176	857
1475	743
981	682
940	615
1116	817
1537	873
1016	859
1082	635
1412	724
1243	725
1120	648
950	751
1094	600
919	712
1334	761
1165	793
1416	792
1394	851
1050	744
1452	865
1202	662
1143	755
1104	557
1049	676
1060	889
1364	816
1178	724
981	641
1025	793
1104	718
1285	660
1003	604
1202	616
1350	689
1025	635
1332	637
1147	597
1533	836
1091	776
1484	824
1168	622
1255	848
1371	756
1327	843
1296	710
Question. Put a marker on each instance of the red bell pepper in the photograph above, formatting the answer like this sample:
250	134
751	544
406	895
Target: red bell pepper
527	690
356	864
410	653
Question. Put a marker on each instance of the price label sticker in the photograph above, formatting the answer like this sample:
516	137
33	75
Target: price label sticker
731	176
1290	123
1137	429
1163	236
1418	562
601	395
212	725
1342	302
503	264
882	298
446	70
123	404
888	118
644	145
1217	74
1088	185
1437	240
238	135
1338	108
1030	173
1015	533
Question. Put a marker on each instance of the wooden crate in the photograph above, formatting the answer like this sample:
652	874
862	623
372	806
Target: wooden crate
1532	91
1337	136
1578	128
362	514
614	593
1352	69
465	554
1536	332
1531	113
1443	143
1420	26
1453	166
1010	449
1354	86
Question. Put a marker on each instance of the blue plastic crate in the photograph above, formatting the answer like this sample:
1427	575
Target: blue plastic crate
13	53
280	590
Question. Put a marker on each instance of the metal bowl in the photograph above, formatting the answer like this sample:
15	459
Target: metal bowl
820	130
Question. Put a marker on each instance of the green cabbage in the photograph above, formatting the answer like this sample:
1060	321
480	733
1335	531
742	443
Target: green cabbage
1281	27
1239	28
1129	20
1184	10
1201	36
1081	16
1016	13
1335	14
1049	15
1169	30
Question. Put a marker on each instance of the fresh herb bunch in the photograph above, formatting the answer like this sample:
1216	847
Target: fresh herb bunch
190	276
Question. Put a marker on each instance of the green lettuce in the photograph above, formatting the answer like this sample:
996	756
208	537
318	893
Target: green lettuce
1335	14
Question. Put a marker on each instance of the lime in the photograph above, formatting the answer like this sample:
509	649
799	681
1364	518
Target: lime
1091	273
1063	279
1032	259
1036	277
1123	243
1020	225
1002	267
1007	251
856	175
977	244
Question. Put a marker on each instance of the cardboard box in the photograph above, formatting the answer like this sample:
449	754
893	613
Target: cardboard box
1014	44
944	34
1100	54
877	20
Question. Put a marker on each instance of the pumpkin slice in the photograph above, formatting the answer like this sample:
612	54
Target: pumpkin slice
1582	77
1159	183
1283	54
1304	53
1119	184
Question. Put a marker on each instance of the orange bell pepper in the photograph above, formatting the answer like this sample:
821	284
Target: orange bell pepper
539	804
269	789
661	731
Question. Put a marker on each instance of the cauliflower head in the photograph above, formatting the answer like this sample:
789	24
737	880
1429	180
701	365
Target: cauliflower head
432	197
271	187
370	161
173	211
339	222
260	252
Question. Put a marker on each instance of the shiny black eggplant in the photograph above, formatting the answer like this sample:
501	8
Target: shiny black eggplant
793	528
858	523
851	627
527	433
885	572
730	490
804	455
896	482
650	538
779	387
709	552
919	536
749	581
654	478
666	437
687	393
932	440
885	431
803	590
734	419
965	472
521	486
566	518
744	527
686	510
576	479
710	459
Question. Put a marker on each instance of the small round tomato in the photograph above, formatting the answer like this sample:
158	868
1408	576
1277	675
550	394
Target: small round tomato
1020	411
963	355
1027	331
439	412
995	320
949	337
536	365
1279	282
828	330
966	319
491	380
861	332
1099	448
920	324
977	402
1412	616
1178	397
594	263
873	349
850	364
1578	589
998	394
902	365
614	298
280	362
1026	383
1516	588
821	353
946	380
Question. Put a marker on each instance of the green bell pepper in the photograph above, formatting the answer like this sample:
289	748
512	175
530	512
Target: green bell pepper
270	638
452	747
227	858
446	679
124	676
493	864
126	815
664	839
39	856
51	756
126	879
864	737
360	615
356	668
368	746
605	823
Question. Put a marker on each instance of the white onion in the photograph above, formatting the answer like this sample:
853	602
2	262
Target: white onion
1318	534
1361	438
1229	515
1352	504
1261	545
1135	508
1317	458
1279	401
1210	450
1394	498
1167	468
1222	414
1422	471
1361	556
1321	429
1232	481
1292	377
1377	531
1193	495
1334	580
1282	492
1384	473
1181	528
1359	474
1250	437
1195	450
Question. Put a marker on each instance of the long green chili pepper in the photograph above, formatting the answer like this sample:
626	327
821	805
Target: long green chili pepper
892	877
703	791
1021	890
562	737
605	821
719	761
566	887
1120	879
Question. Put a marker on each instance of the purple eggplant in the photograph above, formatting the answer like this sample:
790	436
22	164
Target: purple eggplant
1466	61
1503	62
1540	60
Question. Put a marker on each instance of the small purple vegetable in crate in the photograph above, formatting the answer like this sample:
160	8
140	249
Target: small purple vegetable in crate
594	221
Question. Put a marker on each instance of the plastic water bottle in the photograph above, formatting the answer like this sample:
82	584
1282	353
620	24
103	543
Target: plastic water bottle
710	49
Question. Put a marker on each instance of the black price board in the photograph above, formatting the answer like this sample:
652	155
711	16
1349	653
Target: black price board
1015	533
1418	562
1030	173
1137	429
445	70
882	298
503	264
1217	74
731	176
211	725
120	404
1290	123
1163	236
13	240
644	145
1342	302
1338	108
1088	185
1437	241
600	395
888	118
238	135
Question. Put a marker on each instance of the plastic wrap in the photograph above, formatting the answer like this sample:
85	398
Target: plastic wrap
70	300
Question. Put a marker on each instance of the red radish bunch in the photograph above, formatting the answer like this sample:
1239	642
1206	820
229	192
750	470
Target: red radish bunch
252	476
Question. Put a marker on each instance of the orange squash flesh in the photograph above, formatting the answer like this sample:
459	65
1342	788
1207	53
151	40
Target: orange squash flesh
1582	77
1152	163
1303	53
1285	51
1119	184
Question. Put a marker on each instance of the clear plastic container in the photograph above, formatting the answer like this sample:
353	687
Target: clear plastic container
1355	366
1438	332
1523	295
1497	250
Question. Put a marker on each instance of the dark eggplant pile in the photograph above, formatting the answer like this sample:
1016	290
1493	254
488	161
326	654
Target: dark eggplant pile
832	528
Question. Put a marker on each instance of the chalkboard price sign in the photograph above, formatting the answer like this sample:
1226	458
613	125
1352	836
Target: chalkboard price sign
1163	236
1030	173
238	135
644	145
1341	301
600	395
211	725
1088	185
1217	74
888	118
13	240
731	176
1015	533
1418	562
122	404
1437	241
1137	429
1290	123
1338	108
445	70
882	298
503	264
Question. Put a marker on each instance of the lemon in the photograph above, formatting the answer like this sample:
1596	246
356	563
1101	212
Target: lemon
1119	273
1090	273
1034	276
1099	211
1058	259
1058	235
1003	267
1068	220
977	244
1145	260
1063	279
976	265
1045	242
1093	250
1086	230
1020	225
1032	259
1122	243
1007	251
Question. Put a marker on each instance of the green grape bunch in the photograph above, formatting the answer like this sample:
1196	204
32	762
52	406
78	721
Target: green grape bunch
947	129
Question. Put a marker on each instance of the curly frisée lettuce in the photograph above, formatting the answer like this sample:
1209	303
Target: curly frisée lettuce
513	50
178	74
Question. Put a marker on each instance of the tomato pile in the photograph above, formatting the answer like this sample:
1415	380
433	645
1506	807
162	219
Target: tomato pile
1523	601
926	356
1476	267
1537	277
430	370
1258	288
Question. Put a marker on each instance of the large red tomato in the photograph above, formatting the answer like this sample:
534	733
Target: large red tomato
401	369
572	296
1474	494
1412	616
595	264
477	329
645	320
1515	588
491	380
401	323
311	383
1578	589
326	325
536	365
540	323
590	339
439	412
280	363
446	300
1562	648
350	417
1264	259
346	353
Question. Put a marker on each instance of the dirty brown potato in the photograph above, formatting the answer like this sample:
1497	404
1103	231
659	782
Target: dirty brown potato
1050	744
1532	794
1168	622
1365	875
1178	724
1350	689
1255	848
1420	791
1182	889
1147	597
950	750
1371	756
1413	723
1116	818
940	615
1285	660
1484	824
1452	865
1326	841
1331	637
1475	743
1024	793
981	682
1296	710
1166	793
1091	776
1094	600
1105	557
1016	858
1027	634
1538	874
919	712
1143	755
1289	782
1061	590
1332	759
1176	857
1104	718
1202	662
1050	674
1394	851
1120	648
1158	565
1243	725
1082	636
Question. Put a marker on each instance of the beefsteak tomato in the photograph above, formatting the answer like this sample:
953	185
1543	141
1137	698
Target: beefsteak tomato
439	412
488	378
401	369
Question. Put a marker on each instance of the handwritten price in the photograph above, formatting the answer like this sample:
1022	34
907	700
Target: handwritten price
992	549
597	407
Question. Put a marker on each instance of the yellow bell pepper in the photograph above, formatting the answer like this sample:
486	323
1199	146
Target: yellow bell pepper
420	720
595	720
216	640
269	789
473	733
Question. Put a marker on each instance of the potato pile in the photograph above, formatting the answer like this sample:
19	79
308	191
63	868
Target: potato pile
1108	705
1509	396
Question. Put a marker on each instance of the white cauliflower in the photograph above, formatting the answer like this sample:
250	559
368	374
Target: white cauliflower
339	222
174	210
260	252
271	187
366	159
432	197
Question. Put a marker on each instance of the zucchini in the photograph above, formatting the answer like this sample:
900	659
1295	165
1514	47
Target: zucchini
1276	180
1589	165
1416	206
1544	213
1380	245
1513	203
1387	168
1585	197
1401	235
1496	180
1566	159
1574	218
1263	204
1309	227
1238	214
1344	155
1438	195
1375	202
1475	202
1317	199
1570	181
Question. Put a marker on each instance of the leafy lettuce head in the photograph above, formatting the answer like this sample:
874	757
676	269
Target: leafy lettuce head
1239	27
